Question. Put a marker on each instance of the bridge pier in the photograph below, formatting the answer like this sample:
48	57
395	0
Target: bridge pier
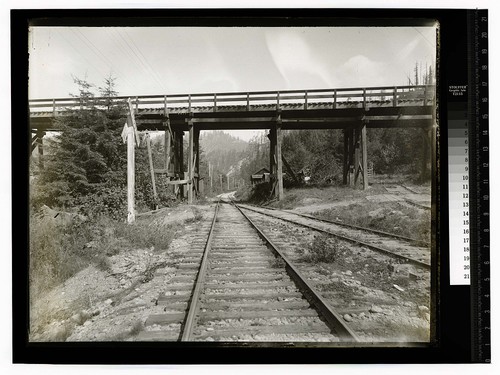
275	160
197	161
355	156
191	156
272	152
168	148
39	143
178	160
279	160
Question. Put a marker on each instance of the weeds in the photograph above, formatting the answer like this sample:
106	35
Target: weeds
323	250
197	216
392	218
278	262
57	252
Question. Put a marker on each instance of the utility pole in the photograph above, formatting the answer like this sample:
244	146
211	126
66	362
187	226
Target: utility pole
210	175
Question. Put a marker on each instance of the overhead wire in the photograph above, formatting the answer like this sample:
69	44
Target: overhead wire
99	54
145	60
126	50
82	55
139	59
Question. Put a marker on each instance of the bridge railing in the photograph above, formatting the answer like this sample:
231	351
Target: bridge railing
302	99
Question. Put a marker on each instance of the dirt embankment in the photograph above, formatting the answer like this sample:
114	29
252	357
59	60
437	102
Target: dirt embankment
112	304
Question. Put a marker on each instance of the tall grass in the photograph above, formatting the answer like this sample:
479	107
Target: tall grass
59	251
391	217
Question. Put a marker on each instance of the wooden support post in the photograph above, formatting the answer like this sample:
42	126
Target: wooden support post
279	160
227	182
130	175
180	161
197	158
426	156
272	151
351	156
364	156
221	187
168	149
357	155
345	169
190	162
210	175
39	143
152	170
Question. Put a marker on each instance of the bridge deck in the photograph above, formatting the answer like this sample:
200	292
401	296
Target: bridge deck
410	106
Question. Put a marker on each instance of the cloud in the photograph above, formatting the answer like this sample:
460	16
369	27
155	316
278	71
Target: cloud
296	62
360	71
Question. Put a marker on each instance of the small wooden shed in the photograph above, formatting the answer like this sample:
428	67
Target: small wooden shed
262	175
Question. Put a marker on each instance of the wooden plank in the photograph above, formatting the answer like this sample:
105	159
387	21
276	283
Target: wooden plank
158	335
235	119
249	285
164	171
161	319
240	279
267	330
177	182
257	296
167	299
258	306
221	315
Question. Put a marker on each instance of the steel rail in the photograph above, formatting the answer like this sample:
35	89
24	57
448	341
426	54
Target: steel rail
376	231
333	319
200	280
415	262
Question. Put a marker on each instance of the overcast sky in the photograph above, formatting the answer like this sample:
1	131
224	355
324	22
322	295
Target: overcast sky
193	60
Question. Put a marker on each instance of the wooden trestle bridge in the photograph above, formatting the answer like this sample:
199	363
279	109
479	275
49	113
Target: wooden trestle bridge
352	109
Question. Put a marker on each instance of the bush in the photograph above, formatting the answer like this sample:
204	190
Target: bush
261	192
323	250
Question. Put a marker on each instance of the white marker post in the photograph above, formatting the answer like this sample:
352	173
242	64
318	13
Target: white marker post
132	139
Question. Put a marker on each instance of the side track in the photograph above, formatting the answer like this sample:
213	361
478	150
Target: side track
398	248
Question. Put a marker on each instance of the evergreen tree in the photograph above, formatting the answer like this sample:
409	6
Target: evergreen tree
88	157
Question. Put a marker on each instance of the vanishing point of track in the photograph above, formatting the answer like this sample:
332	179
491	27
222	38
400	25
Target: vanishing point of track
240	287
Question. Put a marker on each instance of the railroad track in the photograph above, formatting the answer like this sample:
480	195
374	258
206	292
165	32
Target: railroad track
401	248
240	287
339	223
